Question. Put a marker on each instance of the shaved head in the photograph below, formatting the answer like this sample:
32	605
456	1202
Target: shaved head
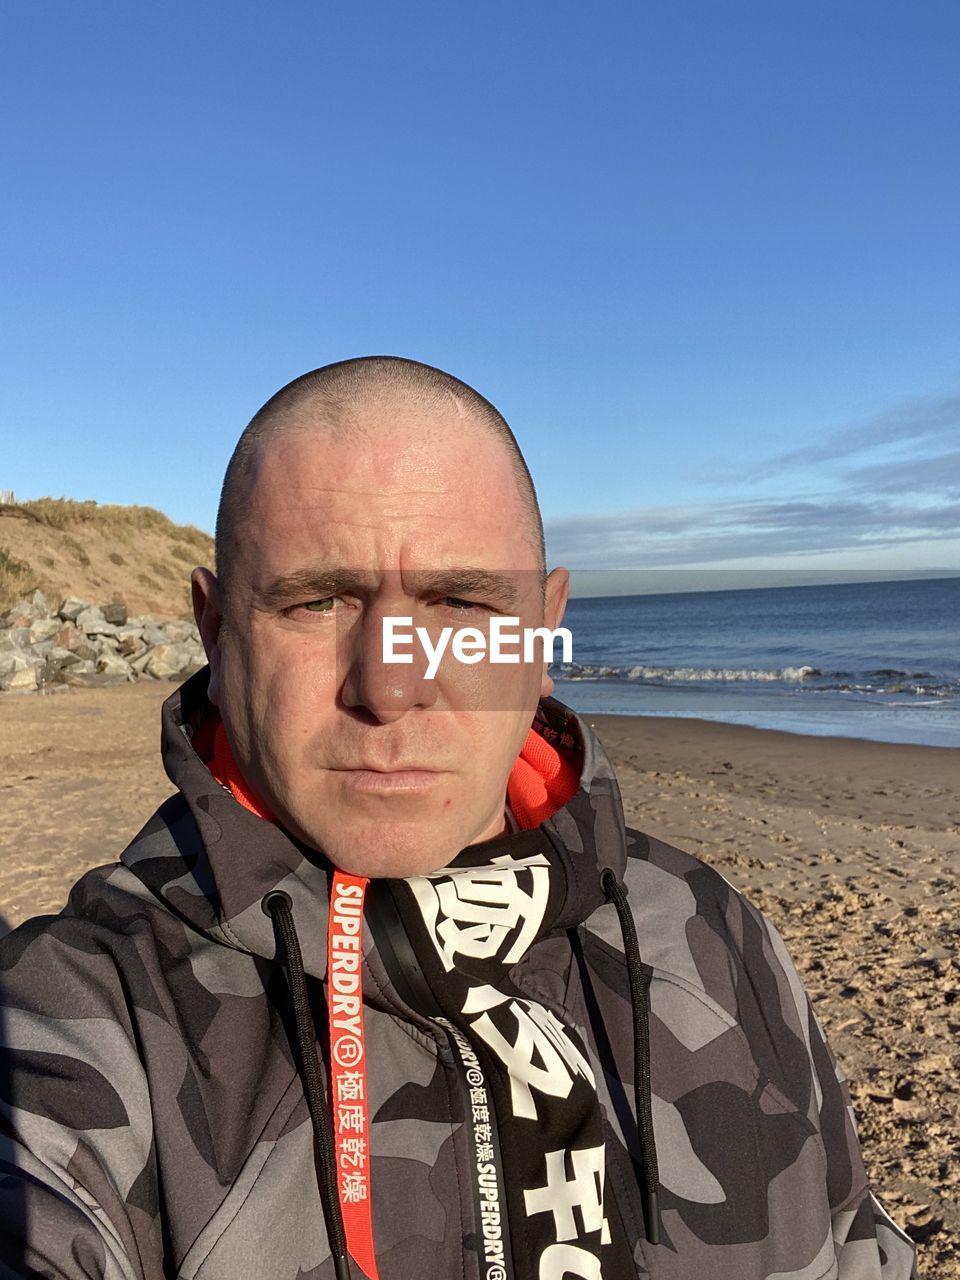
365	491
343	399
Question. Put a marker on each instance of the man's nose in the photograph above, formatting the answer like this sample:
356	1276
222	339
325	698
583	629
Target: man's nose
386	689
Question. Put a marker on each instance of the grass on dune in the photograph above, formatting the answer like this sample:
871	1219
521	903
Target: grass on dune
75	523
118	521
13	578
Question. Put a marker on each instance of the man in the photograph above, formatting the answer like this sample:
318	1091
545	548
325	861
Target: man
387	988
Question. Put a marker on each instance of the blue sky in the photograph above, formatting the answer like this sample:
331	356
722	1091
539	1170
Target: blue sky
704	257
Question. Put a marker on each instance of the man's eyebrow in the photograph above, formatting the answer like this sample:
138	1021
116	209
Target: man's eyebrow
493	586
308	584
315	583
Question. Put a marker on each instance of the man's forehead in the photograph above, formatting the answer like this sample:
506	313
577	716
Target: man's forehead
340	491
424	458
412	491
355	524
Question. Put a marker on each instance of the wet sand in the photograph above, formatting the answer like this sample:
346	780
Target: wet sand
852	848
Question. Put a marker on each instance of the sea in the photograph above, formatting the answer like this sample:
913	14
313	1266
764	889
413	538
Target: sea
873	660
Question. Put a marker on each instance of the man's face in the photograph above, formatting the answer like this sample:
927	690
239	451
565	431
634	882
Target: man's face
324	730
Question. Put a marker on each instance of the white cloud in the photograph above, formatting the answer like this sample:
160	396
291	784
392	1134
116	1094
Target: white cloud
904	506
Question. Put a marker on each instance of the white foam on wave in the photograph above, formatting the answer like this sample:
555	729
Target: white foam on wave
687	675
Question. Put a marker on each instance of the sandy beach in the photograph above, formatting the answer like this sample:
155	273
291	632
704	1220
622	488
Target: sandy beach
852	848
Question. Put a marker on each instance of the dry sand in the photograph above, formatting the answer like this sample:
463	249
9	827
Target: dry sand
852	848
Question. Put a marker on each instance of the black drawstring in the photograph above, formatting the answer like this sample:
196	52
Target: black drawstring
639	994
277	905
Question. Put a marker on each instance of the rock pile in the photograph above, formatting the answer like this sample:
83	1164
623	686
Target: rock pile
43	649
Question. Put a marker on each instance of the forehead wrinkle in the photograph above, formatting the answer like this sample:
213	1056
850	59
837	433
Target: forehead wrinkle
361	518
367	493
394	507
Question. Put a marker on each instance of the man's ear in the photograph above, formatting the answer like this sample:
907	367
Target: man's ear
555	604
208	612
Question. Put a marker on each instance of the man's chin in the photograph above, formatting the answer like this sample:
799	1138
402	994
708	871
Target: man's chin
387	851
384	860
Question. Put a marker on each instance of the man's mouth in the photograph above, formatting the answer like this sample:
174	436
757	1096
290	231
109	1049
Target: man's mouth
389	780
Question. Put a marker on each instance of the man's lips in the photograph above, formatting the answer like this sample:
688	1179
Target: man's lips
388	780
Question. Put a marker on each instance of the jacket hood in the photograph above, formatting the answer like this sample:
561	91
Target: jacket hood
226	859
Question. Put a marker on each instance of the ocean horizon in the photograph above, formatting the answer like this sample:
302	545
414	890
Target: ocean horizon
872	660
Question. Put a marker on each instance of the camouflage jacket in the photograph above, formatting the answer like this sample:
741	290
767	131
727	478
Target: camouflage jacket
155	1122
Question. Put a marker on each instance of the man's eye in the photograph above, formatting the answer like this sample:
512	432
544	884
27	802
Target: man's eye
319	606
461	605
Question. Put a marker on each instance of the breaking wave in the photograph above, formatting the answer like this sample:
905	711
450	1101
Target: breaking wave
883	681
